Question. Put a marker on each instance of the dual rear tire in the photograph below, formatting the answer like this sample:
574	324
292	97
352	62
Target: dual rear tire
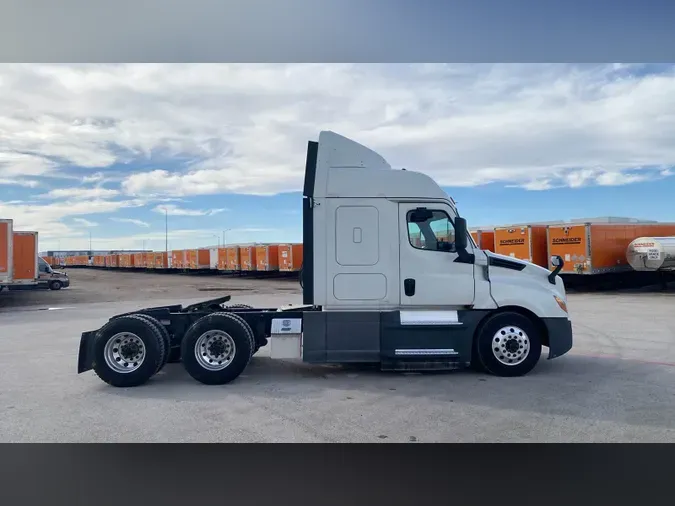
130	349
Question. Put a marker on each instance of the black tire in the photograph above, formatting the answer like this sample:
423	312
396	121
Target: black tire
518	330
55	285
235	328
165	336
152	341
238	306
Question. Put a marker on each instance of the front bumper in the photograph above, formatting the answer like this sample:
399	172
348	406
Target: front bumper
559	332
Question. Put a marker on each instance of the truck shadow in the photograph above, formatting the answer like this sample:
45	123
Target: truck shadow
591	389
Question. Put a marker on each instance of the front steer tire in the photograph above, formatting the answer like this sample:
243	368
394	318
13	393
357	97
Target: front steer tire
507	337
153	344
232	329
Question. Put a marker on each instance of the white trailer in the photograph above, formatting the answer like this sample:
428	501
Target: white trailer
651	254
371	293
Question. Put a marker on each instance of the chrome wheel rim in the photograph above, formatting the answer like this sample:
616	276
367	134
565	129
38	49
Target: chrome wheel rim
510	345
124	352
215	350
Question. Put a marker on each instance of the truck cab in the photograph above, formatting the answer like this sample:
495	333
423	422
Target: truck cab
48	277
386	250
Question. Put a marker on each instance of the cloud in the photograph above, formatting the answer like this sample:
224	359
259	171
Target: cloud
212	128
156	240
173	210
28	183
80	193
48	218
133	221
85	223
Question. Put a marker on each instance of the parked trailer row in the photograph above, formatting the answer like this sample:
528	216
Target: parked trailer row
588	248
235	258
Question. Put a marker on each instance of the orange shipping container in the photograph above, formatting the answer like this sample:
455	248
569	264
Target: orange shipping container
6	237
98	260
596	248
247	255
198	259
527	242
485	239
25	257
290	257
233	258
267	257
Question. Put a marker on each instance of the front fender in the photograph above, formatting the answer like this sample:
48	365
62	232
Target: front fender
518	288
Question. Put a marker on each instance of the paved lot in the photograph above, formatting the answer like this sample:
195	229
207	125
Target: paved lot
616	385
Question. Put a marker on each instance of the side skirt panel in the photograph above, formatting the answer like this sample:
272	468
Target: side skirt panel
398	340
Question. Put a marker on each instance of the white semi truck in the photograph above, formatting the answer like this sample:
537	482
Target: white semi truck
391	276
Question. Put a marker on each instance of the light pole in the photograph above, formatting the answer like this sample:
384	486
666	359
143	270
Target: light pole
166	230
226	230
217	238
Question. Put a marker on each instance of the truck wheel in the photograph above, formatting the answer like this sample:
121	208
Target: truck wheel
217	348
55	285
508	344
165	337
127	351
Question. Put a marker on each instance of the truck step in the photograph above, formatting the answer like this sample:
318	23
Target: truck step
441	364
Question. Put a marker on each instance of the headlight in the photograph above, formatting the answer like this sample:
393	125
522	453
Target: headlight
561	303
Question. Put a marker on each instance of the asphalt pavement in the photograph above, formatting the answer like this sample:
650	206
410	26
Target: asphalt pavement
615	386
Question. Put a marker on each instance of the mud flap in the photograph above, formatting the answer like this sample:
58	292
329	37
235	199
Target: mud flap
85	357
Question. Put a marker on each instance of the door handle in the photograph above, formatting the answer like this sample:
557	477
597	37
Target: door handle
409	287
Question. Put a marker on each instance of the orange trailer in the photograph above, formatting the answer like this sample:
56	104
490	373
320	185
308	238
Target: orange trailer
267	257
290	257
197	259
6	237
140	260
98	260
485	239
247	255
178	259
526	242
233	258
126	260
112	261
25	257
598	248
158	260
222	259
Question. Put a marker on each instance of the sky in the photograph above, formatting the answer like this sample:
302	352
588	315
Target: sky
102	150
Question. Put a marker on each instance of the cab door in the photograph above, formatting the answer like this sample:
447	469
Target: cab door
430	275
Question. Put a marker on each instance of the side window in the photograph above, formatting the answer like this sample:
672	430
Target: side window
430	230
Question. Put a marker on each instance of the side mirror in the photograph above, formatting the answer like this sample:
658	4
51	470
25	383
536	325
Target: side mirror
461	231
557	262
